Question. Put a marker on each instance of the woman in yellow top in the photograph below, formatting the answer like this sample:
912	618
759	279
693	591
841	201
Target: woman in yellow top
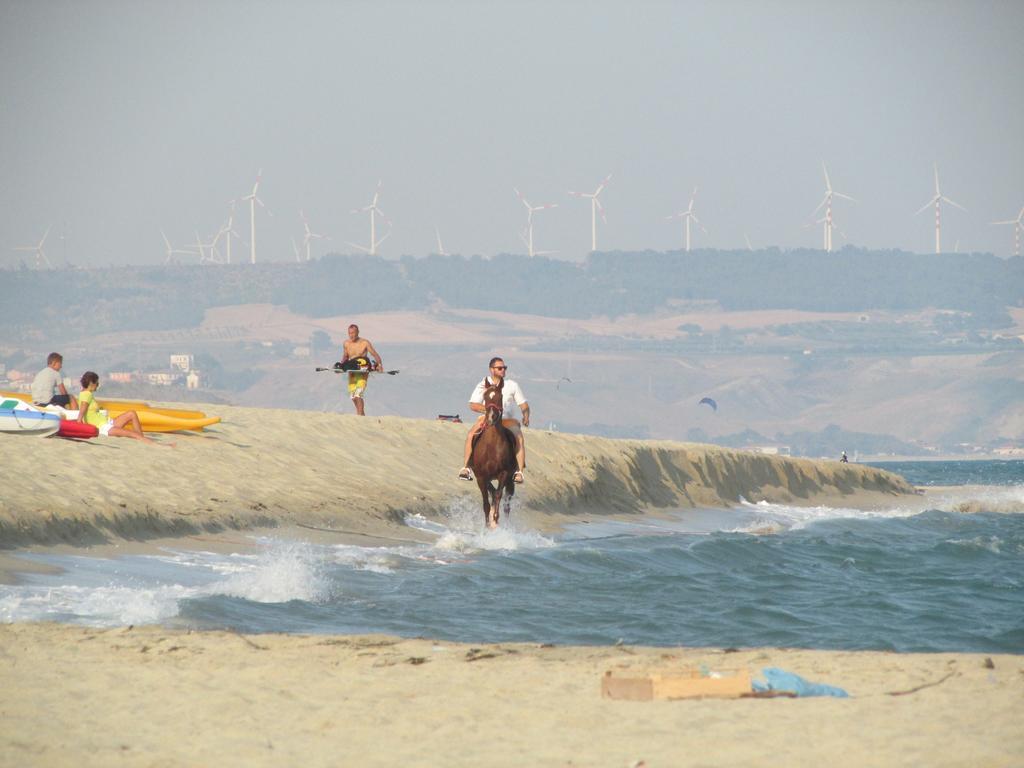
125	425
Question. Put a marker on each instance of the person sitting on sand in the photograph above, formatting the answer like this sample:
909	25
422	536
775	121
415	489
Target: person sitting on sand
353	348
125	425
511	395
48	386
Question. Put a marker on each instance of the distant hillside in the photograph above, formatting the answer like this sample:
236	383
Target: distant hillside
611	284
830	441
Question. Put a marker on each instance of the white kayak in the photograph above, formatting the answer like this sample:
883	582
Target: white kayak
21	421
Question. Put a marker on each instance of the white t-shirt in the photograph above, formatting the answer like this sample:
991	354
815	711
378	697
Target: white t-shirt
511	395
45	385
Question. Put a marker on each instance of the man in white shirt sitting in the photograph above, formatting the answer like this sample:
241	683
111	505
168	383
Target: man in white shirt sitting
512	395
48	386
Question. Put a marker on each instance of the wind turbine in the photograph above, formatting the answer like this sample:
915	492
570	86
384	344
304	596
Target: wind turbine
228	230
527	234
595	208
214	255
687	215
64	242
939	198
827	232
41	259
440	248
295	250
374	212
827	204
171	251
1018	224
253	200
309	235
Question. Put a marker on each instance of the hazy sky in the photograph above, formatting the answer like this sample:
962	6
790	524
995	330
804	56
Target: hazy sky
119	118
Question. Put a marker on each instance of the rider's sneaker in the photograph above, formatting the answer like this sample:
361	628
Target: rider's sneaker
465	474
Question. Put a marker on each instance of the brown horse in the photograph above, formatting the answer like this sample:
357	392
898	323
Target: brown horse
494	457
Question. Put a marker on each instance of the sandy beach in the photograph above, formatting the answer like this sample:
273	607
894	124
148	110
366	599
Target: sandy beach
158	696
155	697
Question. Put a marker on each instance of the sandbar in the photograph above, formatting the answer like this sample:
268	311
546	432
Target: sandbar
272	468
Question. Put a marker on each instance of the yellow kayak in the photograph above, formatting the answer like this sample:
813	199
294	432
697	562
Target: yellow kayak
129	405
152	419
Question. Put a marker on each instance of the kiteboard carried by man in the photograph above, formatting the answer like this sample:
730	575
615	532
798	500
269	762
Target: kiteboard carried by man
358	348
512	395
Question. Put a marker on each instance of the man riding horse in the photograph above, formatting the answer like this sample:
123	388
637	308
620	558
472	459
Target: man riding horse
512	395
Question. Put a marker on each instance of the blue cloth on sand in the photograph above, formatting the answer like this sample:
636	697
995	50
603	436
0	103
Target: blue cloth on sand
776	679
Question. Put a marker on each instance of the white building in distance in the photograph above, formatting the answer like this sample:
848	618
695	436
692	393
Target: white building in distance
182	362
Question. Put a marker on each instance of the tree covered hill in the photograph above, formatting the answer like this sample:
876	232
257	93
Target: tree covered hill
612	283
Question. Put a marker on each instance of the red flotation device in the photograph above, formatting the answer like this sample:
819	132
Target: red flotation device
70	428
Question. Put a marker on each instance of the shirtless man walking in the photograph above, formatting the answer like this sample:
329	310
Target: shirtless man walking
356	346
511	396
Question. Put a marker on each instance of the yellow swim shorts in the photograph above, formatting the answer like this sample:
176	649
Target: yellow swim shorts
357	384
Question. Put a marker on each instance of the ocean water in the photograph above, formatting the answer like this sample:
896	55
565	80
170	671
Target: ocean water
899	578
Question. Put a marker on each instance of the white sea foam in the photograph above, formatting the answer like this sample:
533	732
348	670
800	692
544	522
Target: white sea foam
497	539
106	606
774	518
148	589
970	499
373	559
214	562
284	571
126	605
145	589
420	523
992	543
463	531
